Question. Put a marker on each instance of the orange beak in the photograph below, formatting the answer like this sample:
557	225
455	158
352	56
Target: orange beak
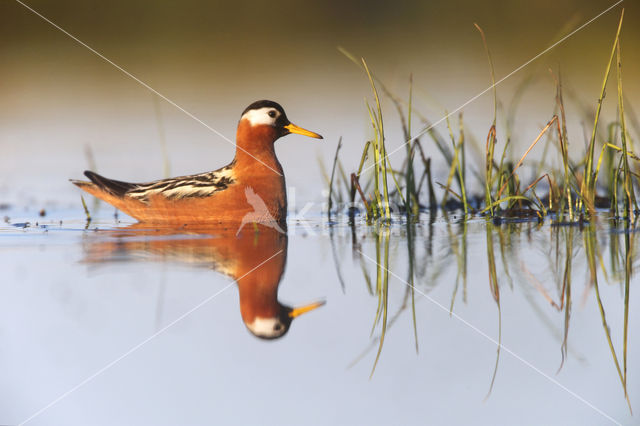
292	128
304	309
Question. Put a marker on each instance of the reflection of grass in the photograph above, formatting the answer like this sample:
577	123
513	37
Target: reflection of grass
571	189
495	292
459	249
561	247
594	263
591	250
382	288
410	276
382	320
565	294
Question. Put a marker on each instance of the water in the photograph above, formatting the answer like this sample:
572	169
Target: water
117	325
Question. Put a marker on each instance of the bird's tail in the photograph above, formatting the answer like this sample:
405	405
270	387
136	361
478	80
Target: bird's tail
91	188
103	192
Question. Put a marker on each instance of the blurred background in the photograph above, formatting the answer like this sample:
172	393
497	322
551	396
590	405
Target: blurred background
60	101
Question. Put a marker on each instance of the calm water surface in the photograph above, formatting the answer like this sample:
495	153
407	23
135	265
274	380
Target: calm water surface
118	325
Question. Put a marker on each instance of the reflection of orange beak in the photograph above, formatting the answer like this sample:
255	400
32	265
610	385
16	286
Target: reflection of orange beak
304	309
292	128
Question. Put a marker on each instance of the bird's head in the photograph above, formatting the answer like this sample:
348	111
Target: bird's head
275	327
269	119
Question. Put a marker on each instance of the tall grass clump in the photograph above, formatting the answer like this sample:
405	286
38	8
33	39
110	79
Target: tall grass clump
569	192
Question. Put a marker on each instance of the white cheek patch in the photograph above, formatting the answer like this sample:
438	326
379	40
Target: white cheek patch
266	327
261	116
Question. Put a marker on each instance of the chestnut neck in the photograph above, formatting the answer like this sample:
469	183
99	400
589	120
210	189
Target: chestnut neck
255	148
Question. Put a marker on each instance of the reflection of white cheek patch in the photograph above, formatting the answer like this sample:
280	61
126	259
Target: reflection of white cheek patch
266	327
260	116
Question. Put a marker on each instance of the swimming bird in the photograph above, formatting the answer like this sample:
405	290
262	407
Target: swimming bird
218	196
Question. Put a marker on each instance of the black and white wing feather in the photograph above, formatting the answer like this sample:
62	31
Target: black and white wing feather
200	185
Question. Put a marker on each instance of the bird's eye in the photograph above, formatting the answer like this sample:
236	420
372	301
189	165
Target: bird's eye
272	114
277	327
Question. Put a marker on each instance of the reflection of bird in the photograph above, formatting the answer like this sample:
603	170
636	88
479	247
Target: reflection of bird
255	260
260	213
217	196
